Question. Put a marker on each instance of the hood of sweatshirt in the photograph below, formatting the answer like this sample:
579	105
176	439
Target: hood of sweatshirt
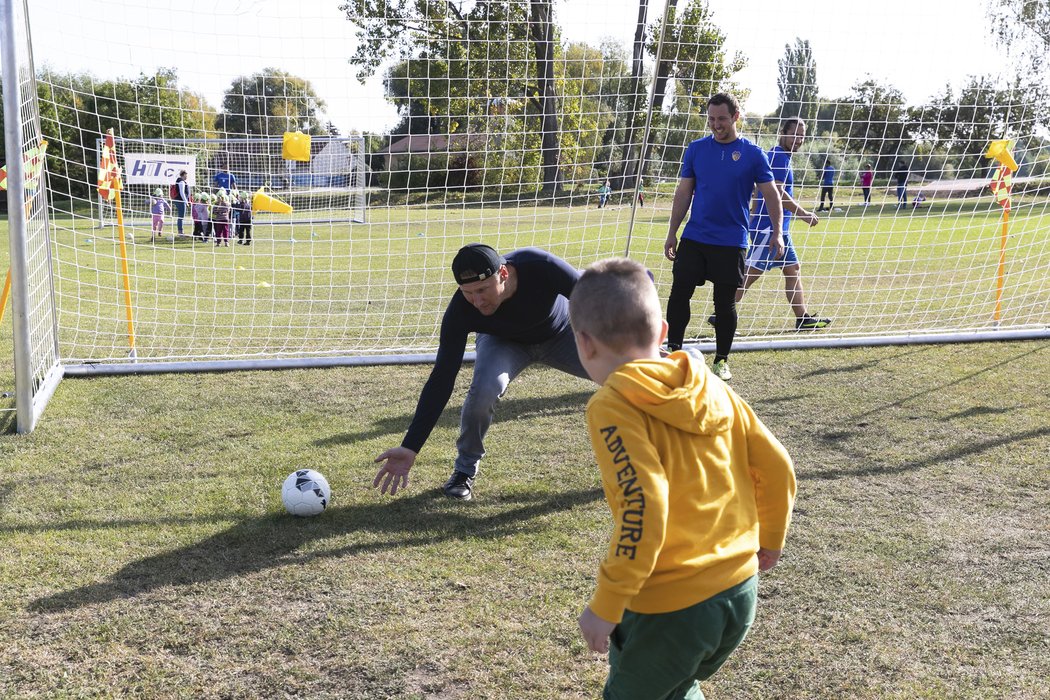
678	390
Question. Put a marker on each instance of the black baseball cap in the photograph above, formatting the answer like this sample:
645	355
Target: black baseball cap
476	262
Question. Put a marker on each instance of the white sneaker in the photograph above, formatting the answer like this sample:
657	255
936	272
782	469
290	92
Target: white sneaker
721	370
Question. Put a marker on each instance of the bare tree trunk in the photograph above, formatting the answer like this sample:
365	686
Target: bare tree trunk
663	72
630	164
542	30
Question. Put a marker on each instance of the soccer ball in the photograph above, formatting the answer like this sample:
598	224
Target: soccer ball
306	493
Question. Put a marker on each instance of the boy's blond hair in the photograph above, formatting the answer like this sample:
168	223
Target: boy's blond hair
615	302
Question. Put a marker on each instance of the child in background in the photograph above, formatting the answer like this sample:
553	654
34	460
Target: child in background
199	213
235	200
209	229
866	178
158	207
603	194
220	216
244	220
701	494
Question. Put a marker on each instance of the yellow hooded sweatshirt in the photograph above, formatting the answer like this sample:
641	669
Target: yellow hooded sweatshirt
696	484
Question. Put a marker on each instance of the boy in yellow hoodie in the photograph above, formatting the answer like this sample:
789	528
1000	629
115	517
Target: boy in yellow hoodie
701	494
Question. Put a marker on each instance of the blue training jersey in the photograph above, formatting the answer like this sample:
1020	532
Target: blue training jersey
724	175
780	164
225	181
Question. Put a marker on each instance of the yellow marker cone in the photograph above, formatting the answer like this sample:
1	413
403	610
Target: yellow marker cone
1000	150
264	202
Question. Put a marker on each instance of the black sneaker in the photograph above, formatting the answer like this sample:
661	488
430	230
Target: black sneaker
712	320
811	323
458	486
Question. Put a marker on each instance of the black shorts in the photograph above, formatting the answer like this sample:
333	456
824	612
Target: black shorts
700	262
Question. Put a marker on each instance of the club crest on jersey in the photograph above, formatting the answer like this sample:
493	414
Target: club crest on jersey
736	155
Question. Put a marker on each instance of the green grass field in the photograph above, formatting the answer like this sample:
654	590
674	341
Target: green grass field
146	553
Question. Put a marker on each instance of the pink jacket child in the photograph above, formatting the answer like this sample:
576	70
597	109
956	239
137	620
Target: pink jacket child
159	207
866	178
199	212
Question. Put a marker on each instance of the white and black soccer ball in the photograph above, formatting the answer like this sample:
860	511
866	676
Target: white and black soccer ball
305	493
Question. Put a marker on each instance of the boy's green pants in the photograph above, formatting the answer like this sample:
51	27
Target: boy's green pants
665	656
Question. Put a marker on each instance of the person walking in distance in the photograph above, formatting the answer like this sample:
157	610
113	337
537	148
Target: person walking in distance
759	257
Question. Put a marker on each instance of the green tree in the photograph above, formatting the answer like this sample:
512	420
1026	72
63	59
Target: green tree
76	109
873	120
541	28
695	64
586	115
797	81
1024	26
616	95
457	60
960	124
270	102
627	172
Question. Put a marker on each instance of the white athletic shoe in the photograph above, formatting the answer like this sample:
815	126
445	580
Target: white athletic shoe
721	370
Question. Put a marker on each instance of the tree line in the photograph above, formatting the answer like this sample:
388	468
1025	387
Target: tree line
76	108
531	113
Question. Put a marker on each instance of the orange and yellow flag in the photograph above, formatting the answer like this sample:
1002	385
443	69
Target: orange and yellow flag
1001	184
33	159
108	170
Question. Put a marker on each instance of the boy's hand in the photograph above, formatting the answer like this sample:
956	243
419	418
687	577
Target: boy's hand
596	631
768	558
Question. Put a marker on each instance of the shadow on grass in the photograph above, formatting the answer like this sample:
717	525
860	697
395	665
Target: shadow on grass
945	456
87	524
774	400
863	366
271	541
8	422
999	363
507	409
975	411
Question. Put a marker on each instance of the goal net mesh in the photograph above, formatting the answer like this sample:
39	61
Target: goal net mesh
505	122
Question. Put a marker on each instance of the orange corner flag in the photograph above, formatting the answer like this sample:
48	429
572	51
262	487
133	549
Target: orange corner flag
108	170
1001	184
33	159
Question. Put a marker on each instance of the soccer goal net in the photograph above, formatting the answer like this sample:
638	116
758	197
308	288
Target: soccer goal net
432	124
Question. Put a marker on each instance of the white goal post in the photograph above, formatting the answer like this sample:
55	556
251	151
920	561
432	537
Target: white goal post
437	123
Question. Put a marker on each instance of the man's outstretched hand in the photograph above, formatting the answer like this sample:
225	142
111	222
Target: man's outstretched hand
393	475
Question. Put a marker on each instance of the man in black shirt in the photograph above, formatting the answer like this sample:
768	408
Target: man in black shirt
519	308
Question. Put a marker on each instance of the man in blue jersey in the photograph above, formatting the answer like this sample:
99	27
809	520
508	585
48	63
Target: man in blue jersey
225	180
718	174
519	308
759	256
